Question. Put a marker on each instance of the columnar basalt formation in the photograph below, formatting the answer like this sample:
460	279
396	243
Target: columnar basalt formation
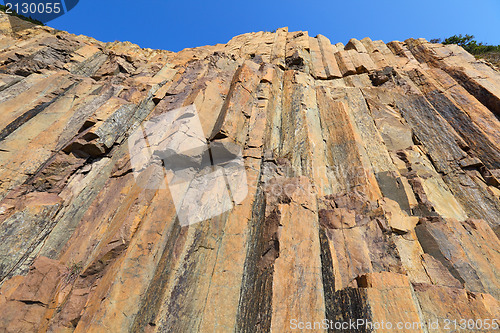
373	176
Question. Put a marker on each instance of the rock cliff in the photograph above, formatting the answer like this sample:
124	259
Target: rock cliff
373	175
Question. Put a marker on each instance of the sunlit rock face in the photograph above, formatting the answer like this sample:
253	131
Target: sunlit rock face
321	183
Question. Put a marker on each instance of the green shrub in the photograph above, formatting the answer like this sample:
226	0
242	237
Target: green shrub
470	44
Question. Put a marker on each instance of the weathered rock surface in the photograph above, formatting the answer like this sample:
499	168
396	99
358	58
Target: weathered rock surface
373	177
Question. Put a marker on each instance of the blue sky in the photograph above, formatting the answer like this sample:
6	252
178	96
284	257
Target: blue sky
175	25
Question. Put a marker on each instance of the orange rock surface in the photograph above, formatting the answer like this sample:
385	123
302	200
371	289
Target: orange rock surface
373	176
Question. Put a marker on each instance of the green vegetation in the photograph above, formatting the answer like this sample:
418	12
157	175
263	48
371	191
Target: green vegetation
490	53
74	269
22	17
469	44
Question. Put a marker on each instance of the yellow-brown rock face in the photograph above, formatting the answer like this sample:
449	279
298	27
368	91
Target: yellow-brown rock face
372	191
